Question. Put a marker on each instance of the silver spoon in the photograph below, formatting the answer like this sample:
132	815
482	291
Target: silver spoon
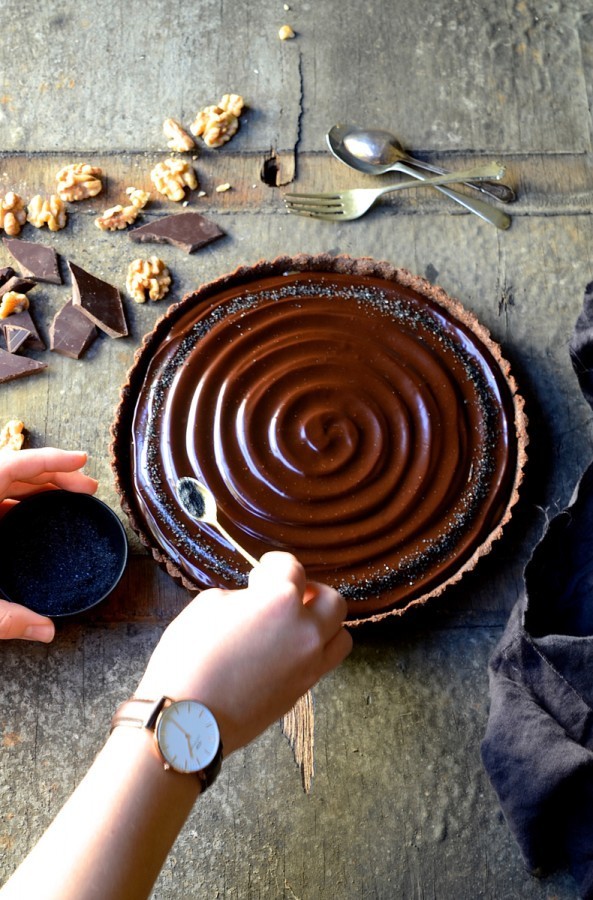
199	503
375	152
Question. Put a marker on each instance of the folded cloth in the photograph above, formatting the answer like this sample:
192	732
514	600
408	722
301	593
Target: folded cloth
538	745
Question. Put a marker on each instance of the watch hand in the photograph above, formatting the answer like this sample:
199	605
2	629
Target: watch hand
182	730
191	752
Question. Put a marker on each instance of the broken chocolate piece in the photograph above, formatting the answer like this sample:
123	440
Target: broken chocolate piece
5	273
100	301
15	336
17	283
189	231
24	320
13	366
36	260
71	331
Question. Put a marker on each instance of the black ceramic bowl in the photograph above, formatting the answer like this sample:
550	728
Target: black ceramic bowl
60	552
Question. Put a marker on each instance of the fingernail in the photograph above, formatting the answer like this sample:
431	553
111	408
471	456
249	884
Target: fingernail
44	633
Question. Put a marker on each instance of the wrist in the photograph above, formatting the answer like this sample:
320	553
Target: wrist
184	734
134	750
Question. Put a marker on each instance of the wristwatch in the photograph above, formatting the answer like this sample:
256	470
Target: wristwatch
185	732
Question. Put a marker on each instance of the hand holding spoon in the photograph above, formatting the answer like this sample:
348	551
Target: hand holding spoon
375	152
199	503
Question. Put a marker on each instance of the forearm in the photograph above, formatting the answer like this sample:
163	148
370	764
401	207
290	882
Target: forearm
247	656
111	838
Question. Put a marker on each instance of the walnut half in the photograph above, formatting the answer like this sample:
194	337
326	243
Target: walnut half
217	124
13	214
50	212
13	302
172	176
148	276
179	139
214	125
12	435
117	217
79	181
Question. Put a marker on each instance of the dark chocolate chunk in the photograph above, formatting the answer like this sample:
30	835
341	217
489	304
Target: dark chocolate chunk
13	366
15	336
37	260
99	300
189	231
17	283
6	272
71	331
24	320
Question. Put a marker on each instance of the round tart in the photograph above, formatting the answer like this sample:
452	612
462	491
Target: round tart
341	409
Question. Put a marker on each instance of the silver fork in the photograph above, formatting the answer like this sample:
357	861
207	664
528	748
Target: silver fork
342	206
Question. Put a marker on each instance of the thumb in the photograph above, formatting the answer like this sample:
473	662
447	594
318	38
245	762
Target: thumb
19	622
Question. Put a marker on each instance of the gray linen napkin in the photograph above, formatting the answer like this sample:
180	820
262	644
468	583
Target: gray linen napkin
538	745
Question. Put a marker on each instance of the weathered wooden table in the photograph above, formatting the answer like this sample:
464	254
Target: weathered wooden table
401	807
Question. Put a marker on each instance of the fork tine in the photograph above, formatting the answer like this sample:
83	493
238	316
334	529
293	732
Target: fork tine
318	213
314	203
334	196
329	217
315	211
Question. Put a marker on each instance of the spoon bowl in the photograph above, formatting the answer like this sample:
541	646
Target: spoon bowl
372	151
199	503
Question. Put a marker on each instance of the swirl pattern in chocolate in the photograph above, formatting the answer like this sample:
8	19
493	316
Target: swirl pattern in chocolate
350	419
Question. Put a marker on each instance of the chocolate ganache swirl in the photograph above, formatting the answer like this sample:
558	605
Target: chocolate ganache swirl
354	420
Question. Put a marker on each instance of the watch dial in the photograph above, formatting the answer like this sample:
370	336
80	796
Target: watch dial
188	736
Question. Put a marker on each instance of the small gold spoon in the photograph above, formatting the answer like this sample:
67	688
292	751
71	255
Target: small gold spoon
199	503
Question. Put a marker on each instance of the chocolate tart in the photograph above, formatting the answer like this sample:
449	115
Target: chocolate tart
343	409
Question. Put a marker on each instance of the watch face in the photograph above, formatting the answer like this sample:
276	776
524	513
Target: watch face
187	736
